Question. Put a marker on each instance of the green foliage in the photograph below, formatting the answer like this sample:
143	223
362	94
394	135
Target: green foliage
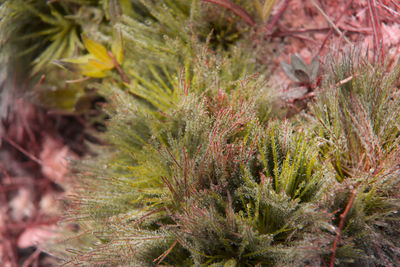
357	121
264	11
37	33
193	177
250	220
188	176
291	162
358	116
33	33
196	171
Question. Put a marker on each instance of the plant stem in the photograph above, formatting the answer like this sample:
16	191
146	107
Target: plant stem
125	78
330	21
336	21
238	10
275	18
376	26
341	225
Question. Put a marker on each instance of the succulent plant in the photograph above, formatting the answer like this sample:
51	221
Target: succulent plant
299	72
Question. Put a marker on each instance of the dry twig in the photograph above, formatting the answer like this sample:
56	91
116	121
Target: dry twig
125	78
330	21
275	18
336	21
23	151
376	26
341	225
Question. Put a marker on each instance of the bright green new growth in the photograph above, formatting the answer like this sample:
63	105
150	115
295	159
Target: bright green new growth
198	173
195	174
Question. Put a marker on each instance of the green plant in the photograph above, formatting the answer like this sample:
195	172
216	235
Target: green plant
358	116
170	142
264	11
356	119
301	73
34	33
195	174
37	33
196	171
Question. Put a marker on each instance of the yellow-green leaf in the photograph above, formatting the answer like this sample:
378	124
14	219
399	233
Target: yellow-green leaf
86	65
230	263
98	65
91	71
268	5
116	47
94	73
98	50
126	7
264	11
259	8
76	60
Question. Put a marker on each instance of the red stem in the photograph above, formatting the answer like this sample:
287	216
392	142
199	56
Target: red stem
376	26
336	21
238	10
397	5
276	18
39	83
318	30
165	253
23	151
341	225
125	78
